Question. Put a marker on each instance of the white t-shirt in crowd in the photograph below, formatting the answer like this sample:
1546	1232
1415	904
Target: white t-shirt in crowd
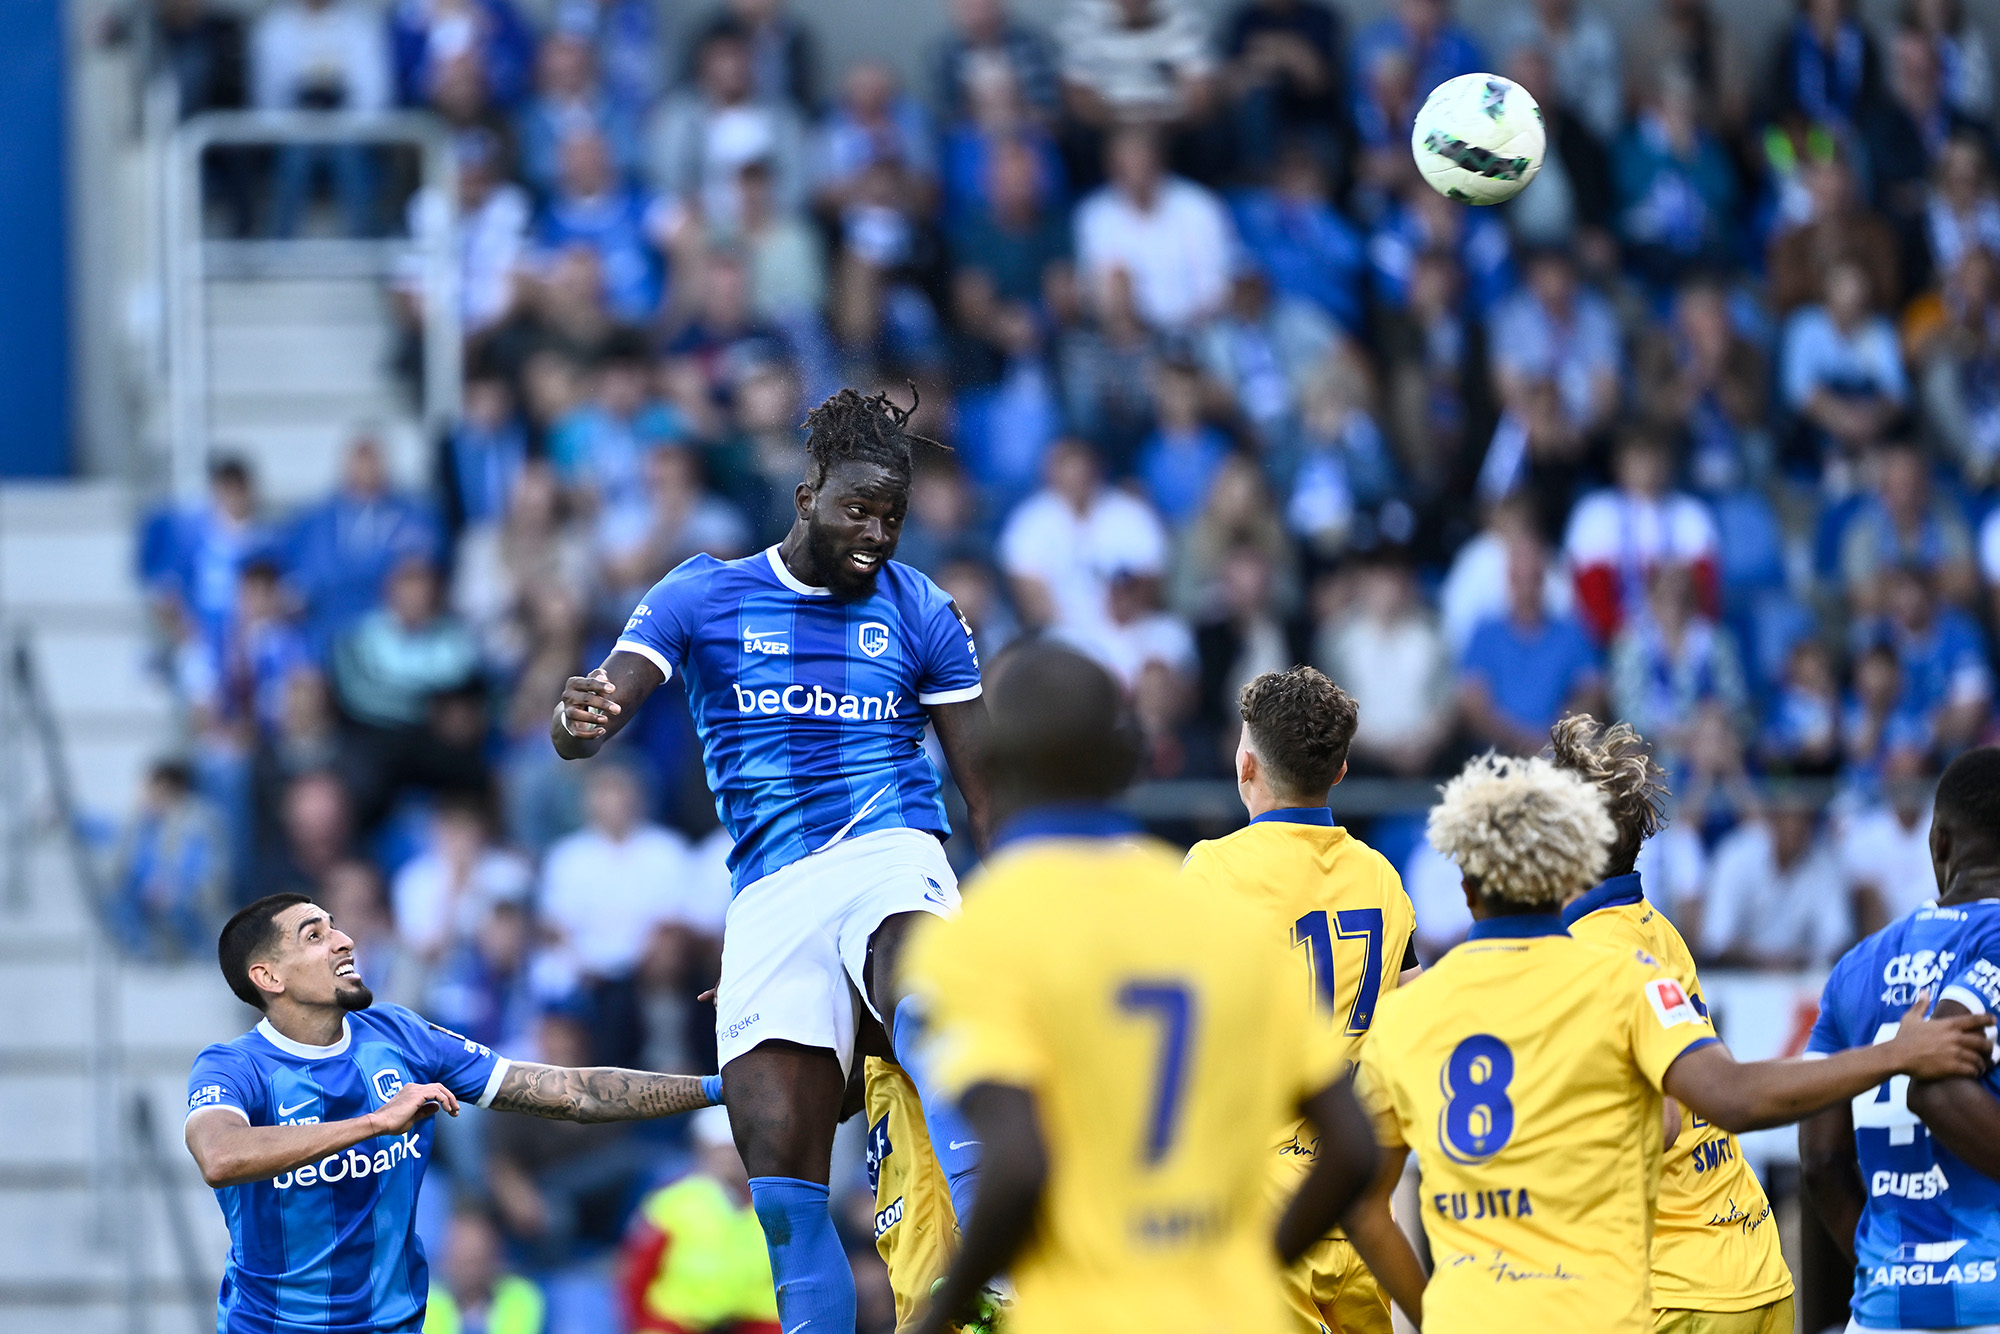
1475	589
1126	650
1878	850
606	897
1177	253
1752	904
1077	555
432	911
1635	533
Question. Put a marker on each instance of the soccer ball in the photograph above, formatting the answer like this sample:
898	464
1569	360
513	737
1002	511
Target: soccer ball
1479	139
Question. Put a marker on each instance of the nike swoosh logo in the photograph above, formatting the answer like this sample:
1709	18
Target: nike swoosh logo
765	634
287	1111
964	1144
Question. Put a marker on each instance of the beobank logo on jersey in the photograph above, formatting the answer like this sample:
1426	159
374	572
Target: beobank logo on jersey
816	702
353	1164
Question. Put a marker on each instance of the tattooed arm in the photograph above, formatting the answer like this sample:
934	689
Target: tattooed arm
595	1093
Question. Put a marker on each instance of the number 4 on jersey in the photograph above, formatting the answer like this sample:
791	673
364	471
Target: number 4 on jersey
1887	1105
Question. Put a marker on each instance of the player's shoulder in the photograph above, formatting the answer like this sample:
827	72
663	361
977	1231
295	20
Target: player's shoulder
387	1019
238	1054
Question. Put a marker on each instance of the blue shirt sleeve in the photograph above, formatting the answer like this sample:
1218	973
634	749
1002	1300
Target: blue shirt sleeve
661	627
224	1077
469	1069
1828	1034
948	672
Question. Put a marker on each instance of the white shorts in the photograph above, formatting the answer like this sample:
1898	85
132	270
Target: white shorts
793	940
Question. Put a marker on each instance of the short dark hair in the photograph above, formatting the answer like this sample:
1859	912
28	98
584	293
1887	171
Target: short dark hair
1302	724
228	469
1968	793
248	936
176	773
1061	728
850	427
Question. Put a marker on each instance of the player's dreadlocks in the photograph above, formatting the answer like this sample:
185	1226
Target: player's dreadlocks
1616	761
871	430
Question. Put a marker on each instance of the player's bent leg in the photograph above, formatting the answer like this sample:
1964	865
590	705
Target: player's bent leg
915	1228
784	1101
1772	1318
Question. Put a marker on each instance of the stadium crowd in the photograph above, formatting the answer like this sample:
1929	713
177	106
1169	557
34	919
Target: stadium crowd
1701	432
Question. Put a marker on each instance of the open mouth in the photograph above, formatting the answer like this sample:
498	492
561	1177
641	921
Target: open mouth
867	562
344	969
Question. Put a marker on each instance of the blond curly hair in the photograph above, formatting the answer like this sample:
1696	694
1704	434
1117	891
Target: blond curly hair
1616	761
1527	833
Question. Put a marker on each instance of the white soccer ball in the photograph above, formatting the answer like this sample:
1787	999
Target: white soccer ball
1479	139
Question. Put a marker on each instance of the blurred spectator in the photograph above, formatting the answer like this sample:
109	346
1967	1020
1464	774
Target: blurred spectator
340	551
568	100
1886	847
1386	651
702	137
1526	668
1676	187
1285	76
985	37
1690	35
407	677
322	55
1583	47
997	116
1138	637
1963	212
1619	535
1573	199
1947	680
315	834
694	1258
443	896
1306	249
194	557
1416	222
1242	633
1776	898
783	252
1105	372
1961	53
1238	512
1879	718
677	516
1063	545
720	337
942	523
1438	393
1841	227
1179	462
427	34
783	57
1475	587
1841	370
200	47
474	1291
1700	374
258	651
173	868
1901	523
1801	735
1346	489
629	231
606	891
1957	360
1169	235
1824	66
505	561
1670	663
630	48
483	453
491	233
1135	61
875	121
599	448
1556	331
1015	239
1425	41
1908	130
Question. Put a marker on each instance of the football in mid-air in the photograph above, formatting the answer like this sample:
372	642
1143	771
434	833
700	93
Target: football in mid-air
1479	139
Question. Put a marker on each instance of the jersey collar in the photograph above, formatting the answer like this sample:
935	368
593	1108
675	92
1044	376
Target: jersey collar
1066	822
305	1050
1320	815
1616	892
1516	926
790	580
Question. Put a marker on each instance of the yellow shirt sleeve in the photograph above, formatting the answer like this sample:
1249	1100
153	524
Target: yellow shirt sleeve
1371	1086
1199	866
1665	1023
980	1025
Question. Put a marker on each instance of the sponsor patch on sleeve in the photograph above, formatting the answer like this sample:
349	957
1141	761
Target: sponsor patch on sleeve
208	1095
1670	1002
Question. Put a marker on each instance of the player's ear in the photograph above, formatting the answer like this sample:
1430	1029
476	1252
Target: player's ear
264	976
1342	774
1471	888
802	499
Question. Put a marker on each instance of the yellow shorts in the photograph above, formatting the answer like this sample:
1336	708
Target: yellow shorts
1776	1318
915	1229
1329	1291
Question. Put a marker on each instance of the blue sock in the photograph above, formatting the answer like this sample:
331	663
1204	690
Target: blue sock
711	1088
951	1135
815	1285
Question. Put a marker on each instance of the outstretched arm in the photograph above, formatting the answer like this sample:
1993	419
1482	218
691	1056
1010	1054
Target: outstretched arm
595	1093
1962	1113
1740	1096
231	1151
1013	1170
1830	1172
961	731
595	708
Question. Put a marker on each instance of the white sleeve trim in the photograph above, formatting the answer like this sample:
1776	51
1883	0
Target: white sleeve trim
1965	996
217	1107
1813	1055
650	654
500	1068
958	696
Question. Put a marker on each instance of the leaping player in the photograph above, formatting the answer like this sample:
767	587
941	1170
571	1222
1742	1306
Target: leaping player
811	669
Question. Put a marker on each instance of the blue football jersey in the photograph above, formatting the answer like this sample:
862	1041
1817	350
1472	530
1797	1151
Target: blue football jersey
810	709
1927	1250
332	1246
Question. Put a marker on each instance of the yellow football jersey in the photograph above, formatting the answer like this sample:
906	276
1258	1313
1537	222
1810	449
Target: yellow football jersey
1523	1069
916	1231
1715	1242
1340	908
1156	1025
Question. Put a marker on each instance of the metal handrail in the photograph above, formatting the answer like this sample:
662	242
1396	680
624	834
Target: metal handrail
186	259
